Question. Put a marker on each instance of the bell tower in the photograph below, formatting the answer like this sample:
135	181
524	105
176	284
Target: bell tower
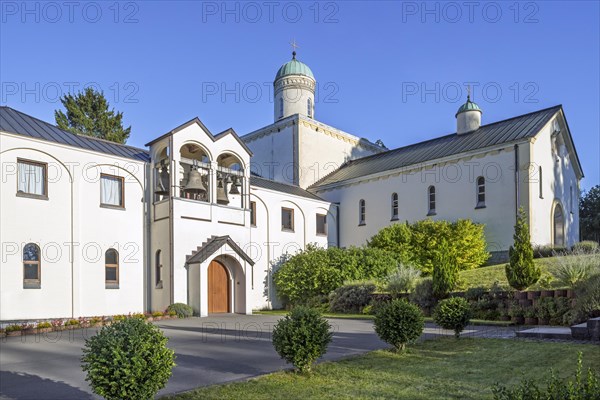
294	89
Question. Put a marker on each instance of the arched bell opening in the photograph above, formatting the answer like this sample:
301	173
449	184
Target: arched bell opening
194	173
161	174
231	185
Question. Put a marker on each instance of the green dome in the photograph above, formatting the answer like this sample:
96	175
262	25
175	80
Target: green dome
468	106
294	67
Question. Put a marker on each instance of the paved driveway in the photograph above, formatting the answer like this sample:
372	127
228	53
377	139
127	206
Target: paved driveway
209	350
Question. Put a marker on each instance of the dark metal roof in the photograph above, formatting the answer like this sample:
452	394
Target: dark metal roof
14	121
211	246
282	187
510	130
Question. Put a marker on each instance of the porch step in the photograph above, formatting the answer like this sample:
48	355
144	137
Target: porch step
580	331
546	332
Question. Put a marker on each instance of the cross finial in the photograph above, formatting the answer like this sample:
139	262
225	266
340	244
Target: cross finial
468	92
294	47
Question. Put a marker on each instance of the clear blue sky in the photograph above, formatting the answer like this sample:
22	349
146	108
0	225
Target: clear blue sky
386	70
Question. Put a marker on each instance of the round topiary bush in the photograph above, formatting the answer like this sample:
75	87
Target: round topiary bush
128	360
182	310
398	323
453	313
301	337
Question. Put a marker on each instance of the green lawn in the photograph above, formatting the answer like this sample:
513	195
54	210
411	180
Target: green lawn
435	369
367	316
486	276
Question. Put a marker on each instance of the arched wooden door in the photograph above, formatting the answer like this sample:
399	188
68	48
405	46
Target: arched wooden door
218	288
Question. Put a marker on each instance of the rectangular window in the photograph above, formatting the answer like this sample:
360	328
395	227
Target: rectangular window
321	224
253	213
111	191
287	219
32	178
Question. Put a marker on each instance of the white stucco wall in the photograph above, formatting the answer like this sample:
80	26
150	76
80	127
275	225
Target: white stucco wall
455	183
70	286
560	185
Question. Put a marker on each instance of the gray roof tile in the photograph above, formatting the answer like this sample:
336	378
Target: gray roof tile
14	121
506	131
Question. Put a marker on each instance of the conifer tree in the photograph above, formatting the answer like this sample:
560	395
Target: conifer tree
521	271
87	113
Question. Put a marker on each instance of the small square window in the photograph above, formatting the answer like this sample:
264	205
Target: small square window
287	219
321	224
111	191
32	179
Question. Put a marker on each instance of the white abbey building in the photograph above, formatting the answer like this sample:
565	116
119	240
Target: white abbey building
90	227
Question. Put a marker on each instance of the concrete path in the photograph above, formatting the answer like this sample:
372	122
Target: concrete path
211	350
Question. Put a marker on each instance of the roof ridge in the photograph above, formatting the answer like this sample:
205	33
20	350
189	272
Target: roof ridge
72	133
391	151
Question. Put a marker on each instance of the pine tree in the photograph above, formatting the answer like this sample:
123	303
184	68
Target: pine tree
87	113
521	271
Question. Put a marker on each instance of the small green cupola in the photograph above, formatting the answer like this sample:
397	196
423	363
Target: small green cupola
468	117
294	67
468	106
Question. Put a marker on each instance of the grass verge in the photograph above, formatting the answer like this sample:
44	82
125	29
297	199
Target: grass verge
436	369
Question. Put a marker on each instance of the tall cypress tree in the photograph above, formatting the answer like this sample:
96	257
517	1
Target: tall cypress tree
521	271
87	113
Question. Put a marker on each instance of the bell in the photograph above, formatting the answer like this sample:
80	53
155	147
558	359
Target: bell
194	183
162	182
222	193
235	187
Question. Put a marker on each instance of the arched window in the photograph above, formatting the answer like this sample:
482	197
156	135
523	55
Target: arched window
540	182
394	206
362	212
31	266
309	107
431	200
158	269
480	192
111	267
559	226
281	107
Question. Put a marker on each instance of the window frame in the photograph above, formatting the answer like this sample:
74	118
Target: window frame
122	182
362	212
158	267
32	283
431	193
283	228
44	165
110	284
480	191
395	207
253	213
324	216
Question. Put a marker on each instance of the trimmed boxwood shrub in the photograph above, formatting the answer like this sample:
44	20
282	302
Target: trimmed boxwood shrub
182	310
301	337
317	272
128	360
398	323
351	298
416	244
453	313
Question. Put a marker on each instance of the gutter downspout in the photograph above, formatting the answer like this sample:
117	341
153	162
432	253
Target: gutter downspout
171	223
517	181
148	193
337	224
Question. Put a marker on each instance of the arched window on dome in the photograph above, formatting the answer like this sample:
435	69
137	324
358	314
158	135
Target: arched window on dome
309	107
281	107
